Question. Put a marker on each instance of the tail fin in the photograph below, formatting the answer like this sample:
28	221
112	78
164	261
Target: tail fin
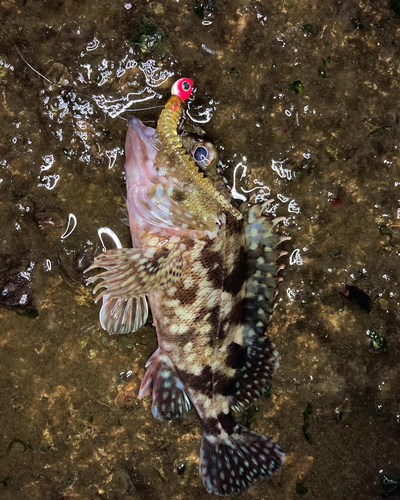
233	464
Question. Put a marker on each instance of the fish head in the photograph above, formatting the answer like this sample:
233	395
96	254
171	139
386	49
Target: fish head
160	196
172	182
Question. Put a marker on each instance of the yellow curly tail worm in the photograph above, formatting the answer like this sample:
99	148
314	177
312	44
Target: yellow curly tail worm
167	130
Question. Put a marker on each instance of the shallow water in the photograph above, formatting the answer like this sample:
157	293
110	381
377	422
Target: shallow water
304	98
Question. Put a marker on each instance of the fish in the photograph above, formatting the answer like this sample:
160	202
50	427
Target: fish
209	272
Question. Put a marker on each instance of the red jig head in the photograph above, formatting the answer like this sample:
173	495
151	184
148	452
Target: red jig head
182	88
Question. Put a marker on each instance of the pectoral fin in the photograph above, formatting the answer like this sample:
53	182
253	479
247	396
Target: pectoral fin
119	316
134	272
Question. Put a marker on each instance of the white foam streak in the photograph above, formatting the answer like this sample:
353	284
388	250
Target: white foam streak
235	194
71	222
109	232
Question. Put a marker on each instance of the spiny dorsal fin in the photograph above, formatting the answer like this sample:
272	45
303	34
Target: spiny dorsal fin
261	269
261	359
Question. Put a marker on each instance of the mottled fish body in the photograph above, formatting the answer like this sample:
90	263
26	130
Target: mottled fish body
209	274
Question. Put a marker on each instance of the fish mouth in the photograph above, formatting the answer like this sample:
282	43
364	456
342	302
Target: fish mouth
145	133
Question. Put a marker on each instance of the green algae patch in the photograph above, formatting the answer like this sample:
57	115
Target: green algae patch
234	73
31	313
6	480
297	86
200	8
389	485
158	473
377	342
358	25
19	445
125	343
395	7
248	416
362	299
310	30
333	153
148	38
3	68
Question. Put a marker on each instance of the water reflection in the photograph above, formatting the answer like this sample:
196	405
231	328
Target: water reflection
71	226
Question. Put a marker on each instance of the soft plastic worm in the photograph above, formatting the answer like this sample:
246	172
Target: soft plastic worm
167	130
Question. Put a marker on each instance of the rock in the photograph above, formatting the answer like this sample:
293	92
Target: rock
49	219
16	290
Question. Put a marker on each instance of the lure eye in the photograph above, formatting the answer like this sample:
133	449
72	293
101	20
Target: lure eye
204	154
182	88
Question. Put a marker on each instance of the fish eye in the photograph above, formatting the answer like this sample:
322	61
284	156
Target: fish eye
200	155
185	86
204	154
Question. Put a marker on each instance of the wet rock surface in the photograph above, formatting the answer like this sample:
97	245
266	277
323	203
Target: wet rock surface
304	96
16	290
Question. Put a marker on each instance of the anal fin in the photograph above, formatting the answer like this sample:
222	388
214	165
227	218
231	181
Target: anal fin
169	397
134	272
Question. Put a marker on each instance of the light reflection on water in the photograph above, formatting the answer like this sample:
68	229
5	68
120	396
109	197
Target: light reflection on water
75	112
127	84
71	225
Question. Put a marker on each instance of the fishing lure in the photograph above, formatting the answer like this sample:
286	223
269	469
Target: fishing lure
167	127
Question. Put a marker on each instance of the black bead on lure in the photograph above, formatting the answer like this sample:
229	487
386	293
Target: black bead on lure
209	273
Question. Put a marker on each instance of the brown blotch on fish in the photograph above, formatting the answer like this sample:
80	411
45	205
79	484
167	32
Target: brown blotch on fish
235	318
233	283
201	383
223	384
210	426
179	340
236	355
186	296
212	261
227	421
214	319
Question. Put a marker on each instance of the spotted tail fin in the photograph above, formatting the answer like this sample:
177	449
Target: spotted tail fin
233	464
261	359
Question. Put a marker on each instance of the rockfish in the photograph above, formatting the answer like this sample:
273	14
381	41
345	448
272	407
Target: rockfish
209	272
